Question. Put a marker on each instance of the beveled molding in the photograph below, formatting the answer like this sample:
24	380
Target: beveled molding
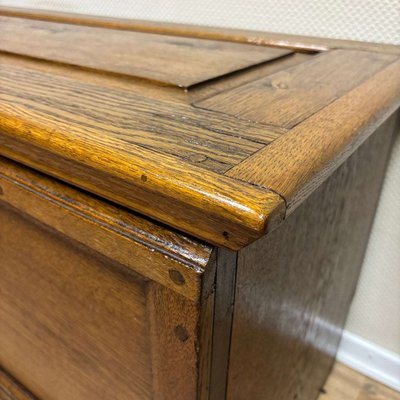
177	262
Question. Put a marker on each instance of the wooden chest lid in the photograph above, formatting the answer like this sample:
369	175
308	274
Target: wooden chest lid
217	133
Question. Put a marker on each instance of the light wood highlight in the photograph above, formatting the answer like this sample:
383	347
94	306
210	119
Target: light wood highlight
297	163
289	97
167	59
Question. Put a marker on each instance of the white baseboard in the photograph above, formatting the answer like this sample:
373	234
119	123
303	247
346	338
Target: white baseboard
370	359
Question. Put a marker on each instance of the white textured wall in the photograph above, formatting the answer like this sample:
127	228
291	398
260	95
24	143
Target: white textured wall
369	20
375	313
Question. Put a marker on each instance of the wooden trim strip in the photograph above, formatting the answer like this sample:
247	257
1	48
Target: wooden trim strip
298	162
210	206
10	389
294	42
117	234
225	284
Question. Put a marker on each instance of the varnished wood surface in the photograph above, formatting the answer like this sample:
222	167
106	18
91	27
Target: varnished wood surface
145	88
297	163
174	327
296	42
76	325
127	308
121	116
235	216
166	59
289	97
73	325
115	163
232	81
346	384
295	285
113	232
224	175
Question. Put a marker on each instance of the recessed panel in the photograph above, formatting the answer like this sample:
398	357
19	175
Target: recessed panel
167	59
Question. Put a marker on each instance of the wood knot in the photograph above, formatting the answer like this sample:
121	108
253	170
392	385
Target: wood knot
197	158
176	277
181	333
143	178
282	85
226	235
1	191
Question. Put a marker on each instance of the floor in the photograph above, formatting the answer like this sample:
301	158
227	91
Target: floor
347	384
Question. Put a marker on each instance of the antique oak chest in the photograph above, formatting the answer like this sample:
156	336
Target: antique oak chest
183	211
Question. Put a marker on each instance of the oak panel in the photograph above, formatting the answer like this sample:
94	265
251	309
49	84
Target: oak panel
295	285
112	231
201	92
297	163
167	59
198	137
73	326
174	327
288	97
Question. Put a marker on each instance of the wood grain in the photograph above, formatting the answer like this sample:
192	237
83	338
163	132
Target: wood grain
113	167
175	343
167	59
222	218
295	285
10	389
297	163
126	308
170	94
98	330
140	245
203	138
232	81
282	40
288	97
73	325
206	173
346	384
